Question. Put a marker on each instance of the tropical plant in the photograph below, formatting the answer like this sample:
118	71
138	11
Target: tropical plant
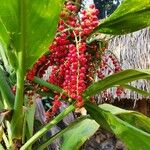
26	30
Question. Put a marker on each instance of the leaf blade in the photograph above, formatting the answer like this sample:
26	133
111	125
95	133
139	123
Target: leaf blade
40	22
126	18
83	130
116	79
135	118
123	130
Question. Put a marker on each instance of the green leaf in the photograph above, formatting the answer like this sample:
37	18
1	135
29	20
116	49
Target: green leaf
75	137
1	104
48	85
135	118
3	57
131	15
28	125
78	128
1	133
120	78
133	137
32	25
132	88
1	147
6	92
30	118
48	126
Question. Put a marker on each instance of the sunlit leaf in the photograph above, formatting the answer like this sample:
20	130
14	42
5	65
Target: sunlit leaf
133	137
28	25
74	138
135	118
83	128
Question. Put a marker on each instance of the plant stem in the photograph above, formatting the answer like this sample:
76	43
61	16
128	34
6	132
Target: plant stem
17	118
49	125
48	85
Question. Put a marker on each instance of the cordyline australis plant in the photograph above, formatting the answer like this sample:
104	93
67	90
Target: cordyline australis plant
25	35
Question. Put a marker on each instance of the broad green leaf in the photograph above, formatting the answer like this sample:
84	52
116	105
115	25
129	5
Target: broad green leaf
116	79
134	138
28	25
74	138
135	118
131	15
78	128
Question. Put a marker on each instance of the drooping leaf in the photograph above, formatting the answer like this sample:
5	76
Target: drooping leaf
74	138
116	79
30	25
130	16
135	118
132	88
133	137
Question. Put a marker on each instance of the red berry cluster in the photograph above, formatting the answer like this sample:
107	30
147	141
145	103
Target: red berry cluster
74	62
56	104
109	65
89	20
69	53
38	68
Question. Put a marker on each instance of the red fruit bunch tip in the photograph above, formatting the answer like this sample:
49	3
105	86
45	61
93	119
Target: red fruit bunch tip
38	68
14	89
56	104
79	102
89	20
71	7
92	100
119	91
30	75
